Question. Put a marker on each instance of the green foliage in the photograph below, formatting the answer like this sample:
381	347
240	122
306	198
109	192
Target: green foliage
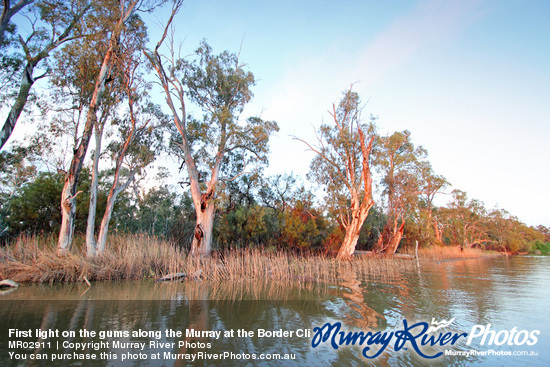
217	83
220	86
243	226
159	212
36	208
372	229
540	248
338	164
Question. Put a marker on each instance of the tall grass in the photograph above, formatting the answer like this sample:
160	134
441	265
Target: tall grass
452	252
34	259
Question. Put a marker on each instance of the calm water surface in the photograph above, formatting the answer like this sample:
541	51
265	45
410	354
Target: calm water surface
504	292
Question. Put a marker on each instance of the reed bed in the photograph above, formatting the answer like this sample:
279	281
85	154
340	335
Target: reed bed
453	252
34	259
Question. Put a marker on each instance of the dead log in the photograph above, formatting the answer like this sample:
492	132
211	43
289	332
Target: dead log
8	283
176	276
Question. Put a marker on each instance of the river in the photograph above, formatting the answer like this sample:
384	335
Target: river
250	323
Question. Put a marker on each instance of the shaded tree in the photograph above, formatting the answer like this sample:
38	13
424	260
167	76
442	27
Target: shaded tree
430	186
220	86
127	9
8	11
62	18
35	208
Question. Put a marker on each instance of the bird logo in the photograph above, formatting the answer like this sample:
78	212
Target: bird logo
436	325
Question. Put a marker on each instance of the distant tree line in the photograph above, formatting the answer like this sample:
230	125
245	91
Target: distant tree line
97	131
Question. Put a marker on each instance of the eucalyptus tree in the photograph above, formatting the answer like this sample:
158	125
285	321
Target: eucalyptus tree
278	192
16	169
465	221
220	86
342	166
8	11
61	19
398	161
140	138
431	185
136	134
126	12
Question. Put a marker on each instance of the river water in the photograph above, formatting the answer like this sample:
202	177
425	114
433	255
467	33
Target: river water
506	298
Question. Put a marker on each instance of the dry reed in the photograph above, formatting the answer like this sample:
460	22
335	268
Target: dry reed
453	252
34	259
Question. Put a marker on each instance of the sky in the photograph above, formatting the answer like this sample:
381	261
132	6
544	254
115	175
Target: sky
469	79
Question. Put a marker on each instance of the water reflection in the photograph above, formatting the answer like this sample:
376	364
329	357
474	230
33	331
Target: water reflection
506	292
360	315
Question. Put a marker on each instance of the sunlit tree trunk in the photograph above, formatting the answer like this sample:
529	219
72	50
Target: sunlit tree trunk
350	239
438	232
360	205
391	236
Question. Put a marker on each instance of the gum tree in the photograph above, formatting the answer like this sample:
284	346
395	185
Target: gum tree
61	19
398	161
431	185
220	86
342	167
8	11
126	9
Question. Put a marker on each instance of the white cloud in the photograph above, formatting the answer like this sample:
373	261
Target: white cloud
430	21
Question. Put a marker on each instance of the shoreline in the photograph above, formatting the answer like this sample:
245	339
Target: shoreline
32	259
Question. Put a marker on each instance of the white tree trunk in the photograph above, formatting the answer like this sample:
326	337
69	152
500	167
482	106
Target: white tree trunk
111	199
67	216
90	228
104	229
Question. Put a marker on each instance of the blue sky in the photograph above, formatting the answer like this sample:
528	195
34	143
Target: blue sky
470	79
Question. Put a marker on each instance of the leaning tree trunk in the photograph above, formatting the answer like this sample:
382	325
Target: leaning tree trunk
104	229
350	239
8	12
27	79
391	236
26	83
393	241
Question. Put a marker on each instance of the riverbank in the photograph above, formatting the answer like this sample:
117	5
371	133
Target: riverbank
34	259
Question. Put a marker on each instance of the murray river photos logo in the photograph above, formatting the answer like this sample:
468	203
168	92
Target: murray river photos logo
417	336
